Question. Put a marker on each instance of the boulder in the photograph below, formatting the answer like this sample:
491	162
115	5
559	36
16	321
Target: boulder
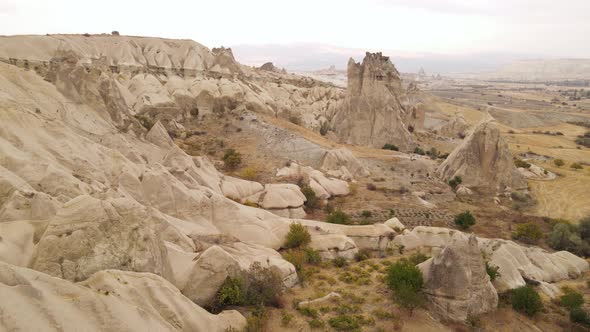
395	224
456	283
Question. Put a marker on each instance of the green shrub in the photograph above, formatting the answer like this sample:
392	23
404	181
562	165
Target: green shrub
571	299
362	254
432	153
579	316
563	238
312	256
312	202
339	262
418	150
230	293
366	214
454	182
371	187
405	279
258	319
338	217
521	163
576	166
526	300
492	271
528	233
298	236
464	220
344	322
232	159
558	162
390	147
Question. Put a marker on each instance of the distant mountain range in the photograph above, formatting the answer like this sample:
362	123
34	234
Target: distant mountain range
312	57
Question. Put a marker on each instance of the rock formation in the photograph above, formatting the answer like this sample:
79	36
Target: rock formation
514	261
118	216
455	127
341	163
373	112
109	300
456	282
483	161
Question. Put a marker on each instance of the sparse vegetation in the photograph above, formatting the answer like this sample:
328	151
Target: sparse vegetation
419	150
521	163
558	162
571	299
492	271
391	147
338	217
339	262
528	233
464	220
576	166
455	181
312	202
232	159
526	300
371	187
257	286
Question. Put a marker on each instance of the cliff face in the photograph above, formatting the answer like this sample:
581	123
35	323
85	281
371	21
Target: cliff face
376	106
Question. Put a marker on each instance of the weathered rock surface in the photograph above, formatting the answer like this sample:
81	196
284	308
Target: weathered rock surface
456	127
109	300
323	186
514	261
341	163
456	282
483	161
374	110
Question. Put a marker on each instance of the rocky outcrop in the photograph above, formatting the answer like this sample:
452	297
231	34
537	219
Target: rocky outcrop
323	186
342	164
108	301
456	127
483	161
515	262
373	112
283	199
456	283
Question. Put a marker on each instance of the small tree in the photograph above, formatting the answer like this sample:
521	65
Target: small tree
298	236
405	280
464	220
558	162
232	159
526	300
454	182
528	233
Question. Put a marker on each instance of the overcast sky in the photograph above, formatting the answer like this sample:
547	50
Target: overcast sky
544	27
